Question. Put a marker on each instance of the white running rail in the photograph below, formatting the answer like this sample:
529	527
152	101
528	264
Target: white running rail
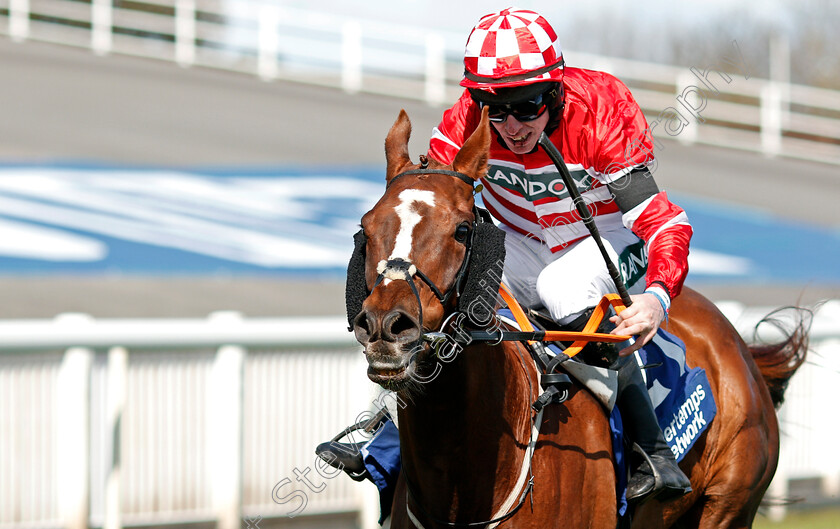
718	103
109	423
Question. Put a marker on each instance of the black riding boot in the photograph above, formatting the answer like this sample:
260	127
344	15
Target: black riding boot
655	472
348	456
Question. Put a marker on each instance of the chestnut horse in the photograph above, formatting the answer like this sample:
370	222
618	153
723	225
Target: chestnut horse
467	425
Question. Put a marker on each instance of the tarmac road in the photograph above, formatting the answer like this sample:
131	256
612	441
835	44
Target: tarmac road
68	105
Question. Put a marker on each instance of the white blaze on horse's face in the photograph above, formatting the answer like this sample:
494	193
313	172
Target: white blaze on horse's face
409	218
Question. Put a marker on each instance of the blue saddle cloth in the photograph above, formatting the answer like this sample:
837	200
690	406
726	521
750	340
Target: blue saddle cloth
682	400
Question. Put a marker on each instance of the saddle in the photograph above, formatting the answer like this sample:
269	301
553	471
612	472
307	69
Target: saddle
584	349
599	354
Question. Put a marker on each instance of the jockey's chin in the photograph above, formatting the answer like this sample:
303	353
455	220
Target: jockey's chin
521	137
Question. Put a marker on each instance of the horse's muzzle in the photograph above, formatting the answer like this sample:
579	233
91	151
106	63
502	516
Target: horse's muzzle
395	326
391	340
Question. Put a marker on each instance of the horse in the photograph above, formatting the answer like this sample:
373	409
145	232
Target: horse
474	452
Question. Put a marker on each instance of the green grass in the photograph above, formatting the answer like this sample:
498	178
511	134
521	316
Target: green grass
820	519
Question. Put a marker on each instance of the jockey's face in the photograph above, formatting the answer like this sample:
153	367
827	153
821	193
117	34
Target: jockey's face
521	136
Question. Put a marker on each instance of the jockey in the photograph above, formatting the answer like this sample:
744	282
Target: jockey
514	66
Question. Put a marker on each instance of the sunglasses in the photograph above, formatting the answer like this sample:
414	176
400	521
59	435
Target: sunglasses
524	111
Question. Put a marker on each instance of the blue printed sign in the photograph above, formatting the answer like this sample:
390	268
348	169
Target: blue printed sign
70	218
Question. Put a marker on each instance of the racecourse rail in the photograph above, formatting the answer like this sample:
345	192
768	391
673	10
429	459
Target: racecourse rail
719	103
120	422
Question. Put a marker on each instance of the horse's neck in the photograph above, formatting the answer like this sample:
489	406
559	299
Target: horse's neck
470	424
482	385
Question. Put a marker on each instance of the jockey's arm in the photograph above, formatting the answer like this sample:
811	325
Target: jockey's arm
666	231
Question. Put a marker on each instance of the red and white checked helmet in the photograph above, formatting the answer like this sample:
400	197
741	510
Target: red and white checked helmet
513	47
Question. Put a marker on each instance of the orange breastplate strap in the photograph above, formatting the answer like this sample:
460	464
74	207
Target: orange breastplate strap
579	339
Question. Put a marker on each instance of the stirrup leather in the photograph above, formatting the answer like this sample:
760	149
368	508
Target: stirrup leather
558	384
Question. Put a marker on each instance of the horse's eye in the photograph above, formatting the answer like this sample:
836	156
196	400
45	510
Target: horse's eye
461	232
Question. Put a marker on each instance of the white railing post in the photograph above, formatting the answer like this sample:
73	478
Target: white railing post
771	119
269	42
778	491
826	353
435	69
780	71
225	422
73	437
117	377
688	135
102	22
19	20
351	56
185	32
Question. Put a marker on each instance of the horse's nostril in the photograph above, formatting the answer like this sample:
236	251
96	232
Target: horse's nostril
362	326
399	326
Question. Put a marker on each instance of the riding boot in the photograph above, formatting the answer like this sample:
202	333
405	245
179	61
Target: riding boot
348	456
344	456
655	472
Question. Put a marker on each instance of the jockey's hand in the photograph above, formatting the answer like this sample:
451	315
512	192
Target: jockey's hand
641	319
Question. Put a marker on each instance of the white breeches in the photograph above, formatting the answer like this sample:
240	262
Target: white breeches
566	282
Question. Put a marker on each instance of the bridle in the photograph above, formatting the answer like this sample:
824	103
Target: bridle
399	268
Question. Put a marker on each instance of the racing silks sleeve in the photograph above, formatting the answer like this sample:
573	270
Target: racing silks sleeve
666	231
624	154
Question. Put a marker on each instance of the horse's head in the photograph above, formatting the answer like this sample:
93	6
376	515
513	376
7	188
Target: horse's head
414	254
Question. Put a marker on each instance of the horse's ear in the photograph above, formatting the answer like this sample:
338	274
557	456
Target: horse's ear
396	146
472	158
